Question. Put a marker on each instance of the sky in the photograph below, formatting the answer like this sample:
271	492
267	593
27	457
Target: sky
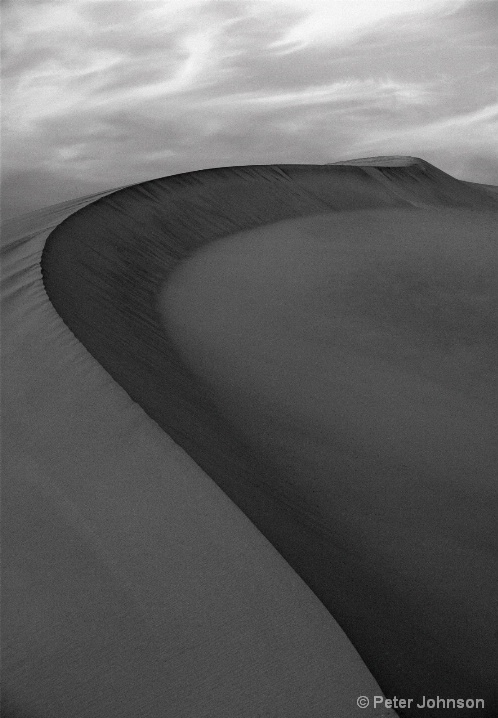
104	93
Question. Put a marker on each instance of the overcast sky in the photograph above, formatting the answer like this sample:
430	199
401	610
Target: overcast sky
103	93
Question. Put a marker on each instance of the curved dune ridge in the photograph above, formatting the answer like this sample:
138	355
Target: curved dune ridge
134	586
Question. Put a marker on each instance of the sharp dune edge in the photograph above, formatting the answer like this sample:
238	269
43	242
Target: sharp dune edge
136	581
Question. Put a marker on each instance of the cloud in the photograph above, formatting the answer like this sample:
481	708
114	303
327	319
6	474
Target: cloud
337	22
371	91
116	91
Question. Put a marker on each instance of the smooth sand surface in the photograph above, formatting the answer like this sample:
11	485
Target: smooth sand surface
358	354
132	585
183	603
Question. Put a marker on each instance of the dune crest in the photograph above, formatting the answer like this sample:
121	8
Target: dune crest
385	161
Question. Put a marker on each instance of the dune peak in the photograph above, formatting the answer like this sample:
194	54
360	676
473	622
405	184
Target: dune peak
384	161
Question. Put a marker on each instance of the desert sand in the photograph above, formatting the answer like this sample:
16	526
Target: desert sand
227	443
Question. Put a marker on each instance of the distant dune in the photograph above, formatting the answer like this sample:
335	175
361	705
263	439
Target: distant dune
318	342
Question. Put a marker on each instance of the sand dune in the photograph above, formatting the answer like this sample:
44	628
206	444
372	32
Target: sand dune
134	585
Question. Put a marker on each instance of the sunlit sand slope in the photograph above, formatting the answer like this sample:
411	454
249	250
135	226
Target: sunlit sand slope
132	585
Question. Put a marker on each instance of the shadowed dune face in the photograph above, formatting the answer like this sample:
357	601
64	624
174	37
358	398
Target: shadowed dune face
417	289
357	353
333	373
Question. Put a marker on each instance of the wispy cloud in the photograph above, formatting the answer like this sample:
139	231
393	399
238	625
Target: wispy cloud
106	92
338	22
377	90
